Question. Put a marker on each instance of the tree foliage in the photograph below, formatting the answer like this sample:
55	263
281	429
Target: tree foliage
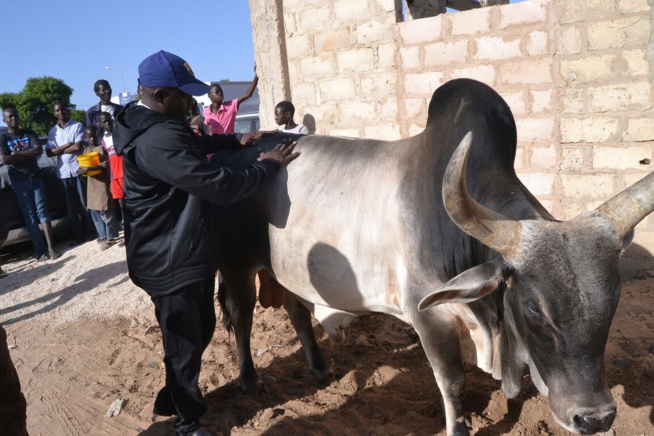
35	103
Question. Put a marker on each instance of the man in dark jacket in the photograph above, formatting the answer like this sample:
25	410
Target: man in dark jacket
103	90
168	187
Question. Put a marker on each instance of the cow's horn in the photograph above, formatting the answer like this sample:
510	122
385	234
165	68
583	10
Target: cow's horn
630	206
490	228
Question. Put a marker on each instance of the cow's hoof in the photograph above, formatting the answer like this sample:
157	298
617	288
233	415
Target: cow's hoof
253	389
324	377
460	429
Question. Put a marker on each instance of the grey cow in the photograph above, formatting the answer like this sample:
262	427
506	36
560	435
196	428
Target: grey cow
438	231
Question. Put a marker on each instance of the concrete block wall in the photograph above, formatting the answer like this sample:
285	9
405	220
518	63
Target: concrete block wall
577	75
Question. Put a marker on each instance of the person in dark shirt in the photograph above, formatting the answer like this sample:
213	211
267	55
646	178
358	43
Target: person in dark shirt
170	187
19	149
103	90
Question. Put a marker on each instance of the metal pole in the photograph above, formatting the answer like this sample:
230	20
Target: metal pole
121	75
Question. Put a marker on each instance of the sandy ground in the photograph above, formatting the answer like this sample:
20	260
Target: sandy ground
82	336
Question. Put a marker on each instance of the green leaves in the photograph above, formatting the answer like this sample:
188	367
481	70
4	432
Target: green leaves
35	103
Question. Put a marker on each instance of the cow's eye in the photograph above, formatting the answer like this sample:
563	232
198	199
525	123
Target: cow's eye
532	310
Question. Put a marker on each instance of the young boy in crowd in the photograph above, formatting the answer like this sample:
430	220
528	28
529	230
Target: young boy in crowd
98	199
115	161
284	113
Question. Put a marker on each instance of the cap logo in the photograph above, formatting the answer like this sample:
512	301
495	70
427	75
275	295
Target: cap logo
188	68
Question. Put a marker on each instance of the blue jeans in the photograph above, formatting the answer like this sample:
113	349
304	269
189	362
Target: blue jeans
106	223
30	196
79	218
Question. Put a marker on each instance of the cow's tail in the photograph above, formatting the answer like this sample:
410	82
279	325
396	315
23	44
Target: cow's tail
222	300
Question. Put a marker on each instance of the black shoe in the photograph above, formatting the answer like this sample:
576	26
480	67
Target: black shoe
202	431
163	404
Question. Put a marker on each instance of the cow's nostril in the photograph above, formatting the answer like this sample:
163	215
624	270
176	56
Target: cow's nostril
594	424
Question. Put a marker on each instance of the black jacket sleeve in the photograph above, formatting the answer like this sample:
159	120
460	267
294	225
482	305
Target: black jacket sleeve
173	155
214	143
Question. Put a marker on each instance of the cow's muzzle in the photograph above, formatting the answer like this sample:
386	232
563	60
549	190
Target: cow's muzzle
591	424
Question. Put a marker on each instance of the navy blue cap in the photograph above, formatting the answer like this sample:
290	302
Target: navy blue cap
166	70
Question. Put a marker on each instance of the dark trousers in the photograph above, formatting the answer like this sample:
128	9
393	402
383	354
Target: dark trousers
79	218
187	320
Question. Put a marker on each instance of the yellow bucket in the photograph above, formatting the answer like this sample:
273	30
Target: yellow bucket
89	160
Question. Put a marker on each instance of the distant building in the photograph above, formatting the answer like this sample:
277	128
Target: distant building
123	98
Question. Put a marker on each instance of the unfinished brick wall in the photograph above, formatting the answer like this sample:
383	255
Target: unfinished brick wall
577	75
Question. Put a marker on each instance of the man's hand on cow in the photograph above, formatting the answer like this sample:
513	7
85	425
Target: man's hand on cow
282	153
250	139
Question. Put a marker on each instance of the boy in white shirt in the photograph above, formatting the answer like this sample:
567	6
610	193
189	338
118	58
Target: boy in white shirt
284	112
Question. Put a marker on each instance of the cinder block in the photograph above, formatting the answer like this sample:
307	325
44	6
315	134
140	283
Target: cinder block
423	30
600	8
517	101
388	108
357	110
373	31
414	107
337	89
588	186
618	33
573	101
573	11
637	63
333	39
316	66
497	47
573	158
473	22
536	43
620	158
312	19
304	94
588	129
298	45
534	129
527	72
569	40
639	129
589	68
631	6
543	158
351	132
422	83
385	132
541	101
378	85
386	55
482	73
539	184
347	11
519	162
445	53
410	57
620	97
359	59
528	12
325	114
386	5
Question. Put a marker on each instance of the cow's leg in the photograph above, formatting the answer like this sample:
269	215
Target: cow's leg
239	299
300	317
440	340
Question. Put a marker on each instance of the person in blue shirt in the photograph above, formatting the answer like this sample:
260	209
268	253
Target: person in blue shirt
19	149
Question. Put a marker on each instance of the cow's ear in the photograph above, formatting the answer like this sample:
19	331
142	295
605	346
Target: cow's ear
469	286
